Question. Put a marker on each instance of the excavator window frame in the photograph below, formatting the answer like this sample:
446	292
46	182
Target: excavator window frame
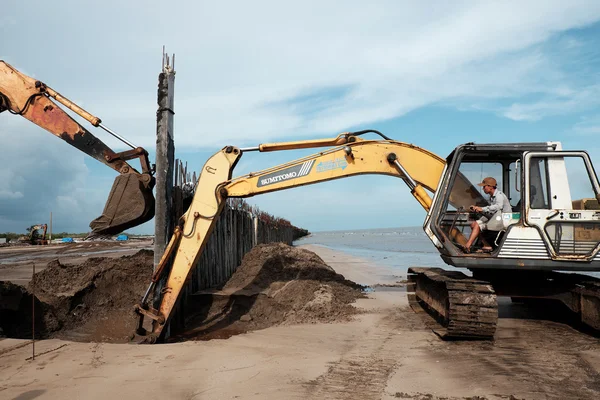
557	215
459	157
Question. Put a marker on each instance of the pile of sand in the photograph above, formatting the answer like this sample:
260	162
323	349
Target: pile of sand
276	284
93	301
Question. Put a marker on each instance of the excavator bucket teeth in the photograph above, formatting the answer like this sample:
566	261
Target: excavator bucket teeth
130	203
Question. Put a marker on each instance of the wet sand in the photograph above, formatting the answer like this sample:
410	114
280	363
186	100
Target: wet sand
386	352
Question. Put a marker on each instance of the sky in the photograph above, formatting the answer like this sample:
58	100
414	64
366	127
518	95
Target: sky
436	75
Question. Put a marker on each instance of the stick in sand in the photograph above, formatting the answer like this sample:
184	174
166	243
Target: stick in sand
33	312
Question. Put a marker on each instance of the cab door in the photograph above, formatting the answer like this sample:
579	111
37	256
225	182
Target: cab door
561	193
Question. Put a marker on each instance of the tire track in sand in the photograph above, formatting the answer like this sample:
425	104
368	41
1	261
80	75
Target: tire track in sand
364	369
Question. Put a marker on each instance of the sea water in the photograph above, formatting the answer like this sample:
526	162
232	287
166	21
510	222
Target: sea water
398	248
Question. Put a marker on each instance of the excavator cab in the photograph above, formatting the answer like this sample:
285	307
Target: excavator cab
555	219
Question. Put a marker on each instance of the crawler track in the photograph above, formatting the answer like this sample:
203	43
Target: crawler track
463	307
580	293
589	301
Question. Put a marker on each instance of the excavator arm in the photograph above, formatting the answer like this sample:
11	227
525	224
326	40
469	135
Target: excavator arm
419	168
35	228
131	201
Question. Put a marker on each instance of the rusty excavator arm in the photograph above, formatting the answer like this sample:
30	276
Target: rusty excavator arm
352	155
131	201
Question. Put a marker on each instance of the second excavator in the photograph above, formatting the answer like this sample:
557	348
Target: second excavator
34	236
130	202
554	224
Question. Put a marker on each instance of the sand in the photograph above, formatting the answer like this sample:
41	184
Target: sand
384	352
93	301
276	284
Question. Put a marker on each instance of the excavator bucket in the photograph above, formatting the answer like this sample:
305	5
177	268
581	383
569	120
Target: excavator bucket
130	203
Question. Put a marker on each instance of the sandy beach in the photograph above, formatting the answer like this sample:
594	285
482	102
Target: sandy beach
385	352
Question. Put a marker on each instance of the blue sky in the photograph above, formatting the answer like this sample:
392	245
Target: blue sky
246	73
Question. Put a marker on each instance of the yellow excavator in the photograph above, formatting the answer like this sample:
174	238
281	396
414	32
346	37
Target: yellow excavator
554	224
130	202
34	236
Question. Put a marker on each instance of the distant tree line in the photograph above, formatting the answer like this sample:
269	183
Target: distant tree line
12	236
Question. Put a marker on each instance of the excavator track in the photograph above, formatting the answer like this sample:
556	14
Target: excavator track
588	293
580	293
463	307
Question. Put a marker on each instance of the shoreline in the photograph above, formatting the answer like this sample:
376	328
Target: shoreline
359	270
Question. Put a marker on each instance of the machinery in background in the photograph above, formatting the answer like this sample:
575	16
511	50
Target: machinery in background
36	235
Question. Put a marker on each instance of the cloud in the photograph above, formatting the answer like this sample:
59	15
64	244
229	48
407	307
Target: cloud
271	70
587	126
307	76
569	103
267	70
6	194
7	22
41	174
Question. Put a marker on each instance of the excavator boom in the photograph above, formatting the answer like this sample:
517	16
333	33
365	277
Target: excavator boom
131	201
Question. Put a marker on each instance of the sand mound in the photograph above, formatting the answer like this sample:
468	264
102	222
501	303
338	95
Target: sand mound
92	301
276	285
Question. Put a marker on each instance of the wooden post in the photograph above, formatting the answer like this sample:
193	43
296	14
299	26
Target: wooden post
255	229
165	157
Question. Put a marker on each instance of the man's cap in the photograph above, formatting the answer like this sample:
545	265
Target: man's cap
489	181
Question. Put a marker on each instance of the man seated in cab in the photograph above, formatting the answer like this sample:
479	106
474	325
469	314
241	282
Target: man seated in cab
492	214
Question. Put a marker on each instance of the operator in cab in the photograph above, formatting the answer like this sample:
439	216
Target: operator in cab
491	219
